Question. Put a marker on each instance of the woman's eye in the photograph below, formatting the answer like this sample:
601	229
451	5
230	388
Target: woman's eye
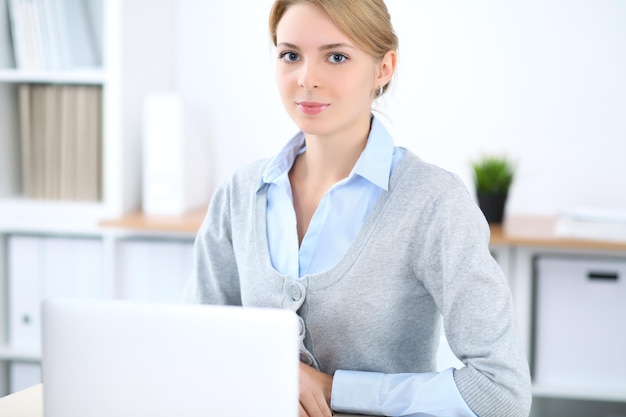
289	56
337	58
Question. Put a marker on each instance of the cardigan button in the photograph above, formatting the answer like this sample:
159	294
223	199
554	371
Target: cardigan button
295	292
305	359
301	328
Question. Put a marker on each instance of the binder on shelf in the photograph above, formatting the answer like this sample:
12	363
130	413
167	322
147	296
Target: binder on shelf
53	35
67	151
37	140
17	33
592	224
50	30
61	137
175	172
88	139
80	139
26	138
77	40
7	56
51	142
36	36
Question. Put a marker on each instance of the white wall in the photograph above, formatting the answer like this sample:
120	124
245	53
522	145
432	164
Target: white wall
542	80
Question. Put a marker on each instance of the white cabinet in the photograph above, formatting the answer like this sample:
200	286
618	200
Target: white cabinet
40	267
580	339
43	267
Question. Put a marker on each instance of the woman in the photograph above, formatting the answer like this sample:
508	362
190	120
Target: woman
366	242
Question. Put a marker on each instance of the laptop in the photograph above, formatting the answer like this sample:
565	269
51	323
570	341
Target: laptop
117	358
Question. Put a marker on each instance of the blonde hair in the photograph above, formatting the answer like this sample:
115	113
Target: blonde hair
366	22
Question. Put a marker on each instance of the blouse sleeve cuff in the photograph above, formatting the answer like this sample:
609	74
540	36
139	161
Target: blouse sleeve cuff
357	392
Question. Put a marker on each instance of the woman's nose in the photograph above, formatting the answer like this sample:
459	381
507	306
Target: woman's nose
308	77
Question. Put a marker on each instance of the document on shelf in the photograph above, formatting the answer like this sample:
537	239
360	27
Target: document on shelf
593	224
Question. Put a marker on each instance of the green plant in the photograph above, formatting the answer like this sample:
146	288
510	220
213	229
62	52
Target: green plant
493	174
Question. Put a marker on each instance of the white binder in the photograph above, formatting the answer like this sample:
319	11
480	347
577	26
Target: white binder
175	158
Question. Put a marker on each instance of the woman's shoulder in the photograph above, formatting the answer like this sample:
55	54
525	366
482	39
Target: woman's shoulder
247	175
414	172
251	171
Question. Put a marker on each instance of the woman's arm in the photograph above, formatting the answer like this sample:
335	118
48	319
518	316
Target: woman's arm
453	262
214	278
474	298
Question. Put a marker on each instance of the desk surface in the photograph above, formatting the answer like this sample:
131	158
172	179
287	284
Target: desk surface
540	231
29	403
26	403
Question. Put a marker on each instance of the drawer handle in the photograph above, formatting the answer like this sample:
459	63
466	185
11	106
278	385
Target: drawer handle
603	276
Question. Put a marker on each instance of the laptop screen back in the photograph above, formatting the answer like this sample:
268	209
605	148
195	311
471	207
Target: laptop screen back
115	358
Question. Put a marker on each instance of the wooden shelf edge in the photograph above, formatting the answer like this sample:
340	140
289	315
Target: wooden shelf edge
540	232
186	223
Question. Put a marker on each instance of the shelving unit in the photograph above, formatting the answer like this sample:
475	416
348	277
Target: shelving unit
135	44
135	62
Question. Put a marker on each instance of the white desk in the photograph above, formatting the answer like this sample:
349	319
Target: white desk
28	403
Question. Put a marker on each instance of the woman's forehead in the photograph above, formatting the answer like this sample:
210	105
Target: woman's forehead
306	24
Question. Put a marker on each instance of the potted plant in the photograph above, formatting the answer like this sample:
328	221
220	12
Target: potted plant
493	176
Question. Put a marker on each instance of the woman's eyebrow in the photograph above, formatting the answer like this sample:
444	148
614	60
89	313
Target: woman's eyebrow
321	48
288	45
335	46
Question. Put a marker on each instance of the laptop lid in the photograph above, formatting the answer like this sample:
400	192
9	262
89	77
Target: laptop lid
117	358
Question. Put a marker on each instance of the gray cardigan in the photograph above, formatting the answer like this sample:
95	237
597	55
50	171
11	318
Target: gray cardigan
421	254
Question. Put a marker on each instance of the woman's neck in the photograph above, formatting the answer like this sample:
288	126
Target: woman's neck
329	159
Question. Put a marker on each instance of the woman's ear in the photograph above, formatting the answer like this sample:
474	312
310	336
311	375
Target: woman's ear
387	67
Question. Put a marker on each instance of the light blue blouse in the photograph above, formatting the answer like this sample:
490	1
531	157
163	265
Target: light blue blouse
340	213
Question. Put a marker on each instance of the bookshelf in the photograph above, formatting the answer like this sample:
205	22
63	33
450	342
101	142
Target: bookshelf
44	111
132	56
130	64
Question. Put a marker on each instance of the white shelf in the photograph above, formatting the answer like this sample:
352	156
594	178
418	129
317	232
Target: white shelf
89	76
26	215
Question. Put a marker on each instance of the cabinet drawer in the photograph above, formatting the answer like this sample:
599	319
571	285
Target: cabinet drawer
580	323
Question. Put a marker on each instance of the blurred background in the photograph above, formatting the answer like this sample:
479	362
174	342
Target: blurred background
541	81
118	118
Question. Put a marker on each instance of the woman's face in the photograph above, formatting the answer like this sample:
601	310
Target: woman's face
325	82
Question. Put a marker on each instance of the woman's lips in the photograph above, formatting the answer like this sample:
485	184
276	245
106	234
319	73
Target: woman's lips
311	107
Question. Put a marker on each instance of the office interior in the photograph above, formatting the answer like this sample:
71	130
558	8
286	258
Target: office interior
542	82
